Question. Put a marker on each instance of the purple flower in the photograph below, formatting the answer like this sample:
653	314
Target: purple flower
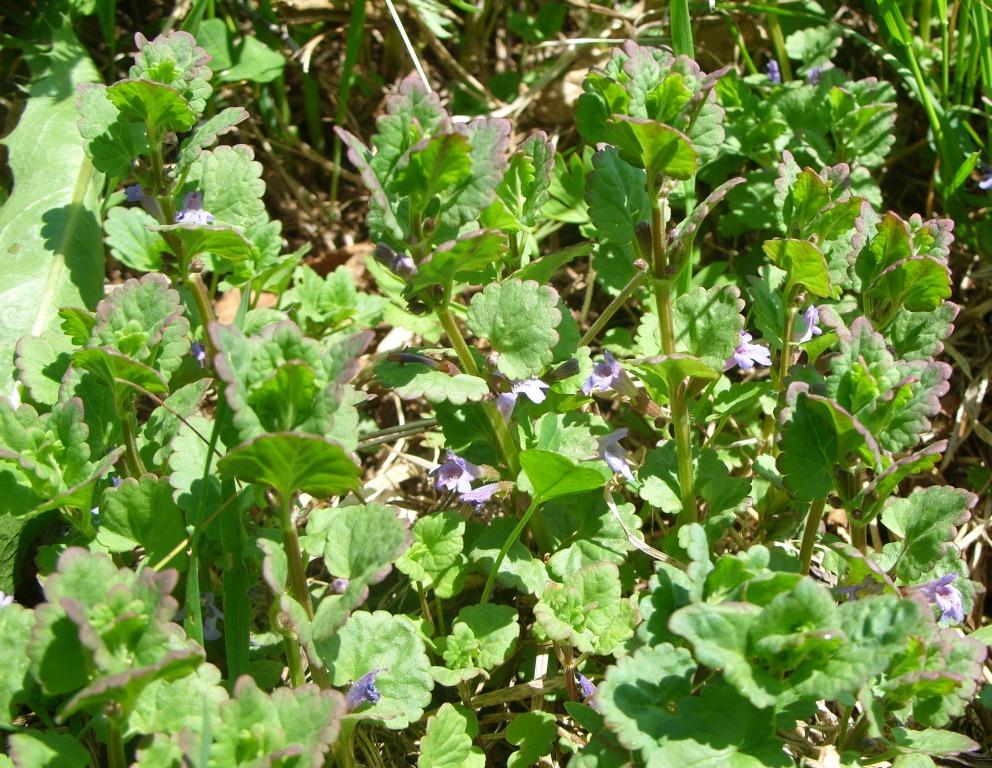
192	211
585	685
6	599
773	72
363	691
609	374
985	179
532	389
455	474
401	263
116	481
339	585
747	355
813	76
199	353
808	328
944	596
614	454
134	193
481	495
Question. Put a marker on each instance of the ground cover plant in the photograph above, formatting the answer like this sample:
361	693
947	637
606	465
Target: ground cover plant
647	433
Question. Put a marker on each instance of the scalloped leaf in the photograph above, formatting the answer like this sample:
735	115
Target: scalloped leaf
291	461
927	522
413	380
519	319
390	644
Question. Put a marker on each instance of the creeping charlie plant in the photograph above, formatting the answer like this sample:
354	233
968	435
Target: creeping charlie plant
685	510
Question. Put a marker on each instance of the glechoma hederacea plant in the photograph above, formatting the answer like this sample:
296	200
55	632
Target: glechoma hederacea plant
666	593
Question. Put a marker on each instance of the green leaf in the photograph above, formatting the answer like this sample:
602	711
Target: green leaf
132	241
143	320
160	108
206	135
919	335
743	737
534	732
917	284
803	263
254	61
519	320
291	461
931	741
169	706
927	522
49	225
51	454
448	740
289	721
174	59
818	438
281	381
42	362
552	475
230	180
46	749
414	380
636	696
588	611
215	239
435	557
16	623
442	162
470	254
106	631
707	324
112	143
489	139
113	368
654	146
617	197
359	542
482	636
595	534
142	513
519	570
523	190
390	644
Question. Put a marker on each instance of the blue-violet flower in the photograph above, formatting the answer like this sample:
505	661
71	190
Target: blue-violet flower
532	389
192	211
585	685
807	327
479	496
773	72
455	474
813	76
944	596
614	454
134	193
363	691
985	179
199	353
609	374
747	355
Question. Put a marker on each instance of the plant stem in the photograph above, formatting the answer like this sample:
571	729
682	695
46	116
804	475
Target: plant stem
196	287
294	661
297	573
845	721
514	536
504	441
782	371
387	434
778	42
115	745
859	537
662	286
612	308
809	533
132	459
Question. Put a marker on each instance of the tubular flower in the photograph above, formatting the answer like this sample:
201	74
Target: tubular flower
944	596
532	389
808	328
614	454
455	474
363	691
747	355
192	211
